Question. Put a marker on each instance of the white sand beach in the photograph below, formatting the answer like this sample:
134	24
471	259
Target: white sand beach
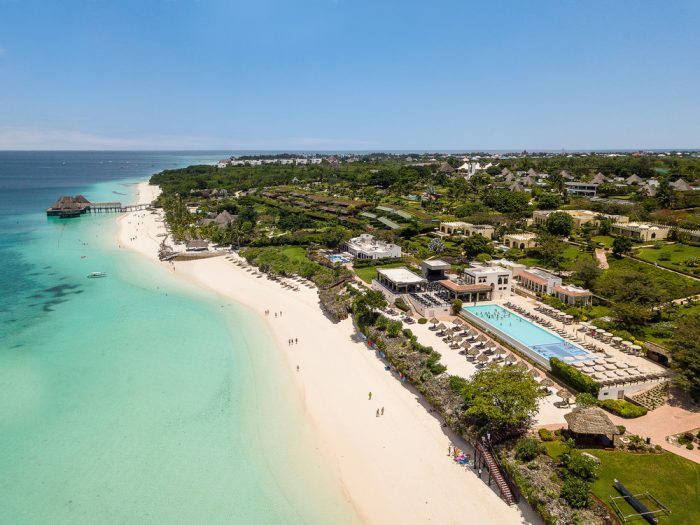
394	468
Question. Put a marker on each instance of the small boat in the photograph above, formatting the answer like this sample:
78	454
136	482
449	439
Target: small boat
96	275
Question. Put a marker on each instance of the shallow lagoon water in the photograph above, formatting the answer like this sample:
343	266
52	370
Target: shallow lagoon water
137	398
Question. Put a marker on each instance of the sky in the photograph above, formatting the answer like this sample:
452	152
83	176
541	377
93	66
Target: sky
350	74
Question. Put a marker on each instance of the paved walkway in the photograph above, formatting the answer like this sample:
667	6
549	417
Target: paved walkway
602	258
680	415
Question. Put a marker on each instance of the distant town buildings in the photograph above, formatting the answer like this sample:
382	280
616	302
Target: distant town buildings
584	189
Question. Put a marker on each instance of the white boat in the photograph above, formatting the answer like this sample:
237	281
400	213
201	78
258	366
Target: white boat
96	275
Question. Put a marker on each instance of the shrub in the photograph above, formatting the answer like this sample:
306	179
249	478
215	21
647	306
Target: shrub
401	305
422	320
545	435
527	449
456	306
586	400
623	408
434	365
393	329
407	333
689	446
580	466
575	493
572	377
457	384
621	429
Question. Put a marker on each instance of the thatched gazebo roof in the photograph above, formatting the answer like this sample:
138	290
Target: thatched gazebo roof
458	322
590	420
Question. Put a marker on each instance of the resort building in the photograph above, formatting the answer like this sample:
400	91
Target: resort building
514	267
573	295
467	229
580	217
424	297
367	247
539	281
584	189
641	231
434	270
399	281
520	241
480	283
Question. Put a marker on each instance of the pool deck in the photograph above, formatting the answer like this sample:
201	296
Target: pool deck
458	365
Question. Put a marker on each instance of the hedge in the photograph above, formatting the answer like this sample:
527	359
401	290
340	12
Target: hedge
573	377
623	408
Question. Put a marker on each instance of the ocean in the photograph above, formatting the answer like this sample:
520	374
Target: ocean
135	398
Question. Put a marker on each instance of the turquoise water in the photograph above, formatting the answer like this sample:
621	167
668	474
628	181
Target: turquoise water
136	398
534	337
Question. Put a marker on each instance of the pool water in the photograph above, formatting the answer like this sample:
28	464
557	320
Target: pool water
529	334
338	258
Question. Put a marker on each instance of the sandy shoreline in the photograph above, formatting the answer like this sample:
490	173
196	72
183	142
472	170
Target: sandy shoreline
394	468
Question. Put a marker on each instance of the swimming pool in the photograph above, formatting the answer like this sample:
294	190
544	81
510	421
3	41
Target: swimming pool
338	258
514	328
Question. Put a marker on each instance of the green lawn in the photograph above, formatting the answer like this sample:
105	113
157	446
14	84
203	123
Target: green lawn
673	480
606	240
370	272
570	254
670	256
295	253
676	285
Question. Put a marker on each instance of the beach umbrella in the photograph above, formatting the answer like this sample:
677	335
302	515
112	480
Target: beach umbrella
607	334
482	358
636	347
579	364
599	331
472	352
547	382
627	343
434	321
534	373
564	394
617	339
521	366
500	351
441	326
511	359
458	322
457	339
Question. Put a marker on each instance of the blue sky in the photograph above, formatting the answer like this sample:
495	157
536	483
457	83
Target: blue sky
349	74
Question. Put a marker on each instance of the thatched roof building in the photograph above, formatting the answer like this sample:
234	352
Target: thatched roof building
67	206
590	425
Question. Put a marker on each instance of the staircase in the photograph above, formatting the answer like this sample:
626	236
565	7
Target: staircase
506	489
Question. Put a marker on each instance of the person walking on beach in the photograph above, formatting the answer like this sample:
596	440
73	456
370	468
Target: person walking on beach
297	368
370	396
377	413
296	340
382	410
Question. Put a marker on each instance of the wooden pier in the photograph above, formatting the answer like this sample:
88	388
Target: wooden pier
114	207
67	207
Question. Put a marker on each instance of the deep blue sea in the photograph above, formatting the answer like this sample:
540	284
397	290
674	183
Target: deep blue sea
135	398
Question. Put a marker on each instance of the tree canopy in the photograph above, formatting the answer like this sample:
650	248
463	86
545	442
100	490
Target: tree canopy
499	398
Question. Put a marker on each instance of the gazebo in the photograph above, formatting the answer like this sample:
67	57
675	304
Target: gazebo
591	426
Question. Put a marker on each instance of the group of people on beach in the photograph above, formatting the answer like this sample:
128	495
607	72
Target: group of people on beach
267	312
293	341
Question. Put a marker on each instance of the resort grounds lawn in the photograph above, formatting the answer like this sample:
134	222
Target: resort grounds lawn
370	272
671	256
606	240
570	254
676	285
295	253
673	480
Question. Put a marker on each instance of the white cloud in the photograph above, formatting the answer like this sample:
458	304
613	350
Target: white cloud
29	138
